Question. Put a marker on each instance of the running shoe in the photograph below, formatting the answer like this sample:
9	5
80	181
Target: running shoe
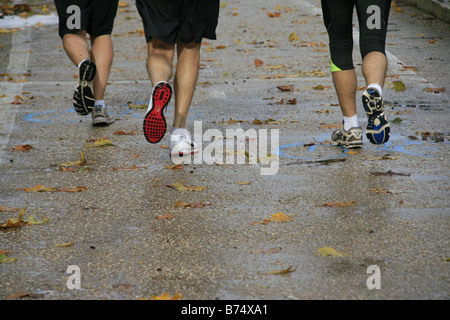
154	122
378	128
351	138
181	146
100	117
83	98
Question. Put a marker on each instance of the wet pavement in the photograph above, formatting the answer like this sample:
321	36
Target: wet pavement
383	206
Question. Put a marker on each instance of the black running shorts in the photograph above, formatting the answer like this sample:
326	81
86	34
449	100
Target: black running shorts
179	20
94	16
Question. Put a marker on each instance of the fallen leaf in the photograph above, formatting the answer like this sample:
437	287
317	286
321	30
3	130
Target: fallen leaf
122	133
397	120
64	245
5	208
166	296
284	271
319	87
280	217
293	36
12	223
289	88
22	295
41	188
32	220
174	167
5	259
81	162
180	186
390	173
258	62
231	121
435	90
330	252
399	86
22	147
137	106
133	167
103	142
165	217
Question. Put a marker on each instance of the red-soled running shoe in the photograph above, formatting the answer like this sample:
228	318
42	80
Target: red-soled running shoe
154	122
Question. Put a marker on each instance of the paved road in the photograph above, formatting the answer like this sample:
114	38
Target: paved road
382	206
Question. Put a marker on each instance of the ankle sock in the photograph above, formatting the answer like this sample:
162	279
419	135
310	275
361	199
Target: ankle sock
377	87
99	103
181	131
350	122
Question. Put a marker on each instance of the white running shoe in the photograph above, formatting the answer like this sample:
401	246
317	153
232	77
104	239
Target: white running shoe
181	146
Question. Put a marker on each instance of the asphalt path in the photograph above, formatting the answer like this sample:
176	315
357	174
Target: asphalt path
300	219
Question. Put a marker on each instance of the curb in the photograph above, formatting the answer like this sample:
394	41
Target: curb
438	8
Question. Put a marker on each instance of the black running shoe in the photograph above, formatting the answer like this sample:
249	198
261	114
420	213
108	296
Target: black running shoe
83	98
378	128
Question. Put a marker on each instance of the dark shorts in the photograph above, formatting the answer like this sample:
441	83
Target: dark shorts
179	20
96	16
373	16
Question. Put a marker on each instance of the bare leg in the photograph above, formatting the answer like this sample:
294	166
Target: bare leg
102	56
76	47
345	84
185	80
374	68
159	61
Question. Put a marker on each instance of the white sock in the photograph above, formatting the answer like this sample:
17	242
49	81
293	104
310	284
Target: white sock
181	131
377	87
350	122
99	103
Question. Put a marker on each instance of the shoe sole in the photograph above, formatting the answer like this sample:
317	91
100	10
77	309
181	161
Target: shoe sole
378	128
154	122
83	98
353	145
103	122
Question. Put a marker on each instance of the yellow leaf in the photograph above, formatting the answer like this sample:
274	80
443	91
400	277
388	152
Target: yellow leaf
293	36
285	271
179	186
280	217
166	296
330	252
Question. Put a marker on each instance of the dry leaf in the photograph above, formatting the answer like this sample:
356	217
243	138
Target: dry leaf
390	173
284	271
180	186
330	252
174	167
166	296
64	245
289	88
165	217
12	223
23	147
